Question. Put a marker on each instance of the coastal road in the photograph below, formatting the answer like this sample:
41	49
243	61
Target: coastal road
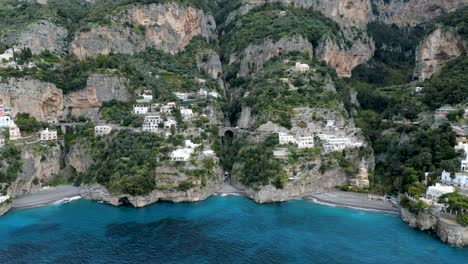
45	197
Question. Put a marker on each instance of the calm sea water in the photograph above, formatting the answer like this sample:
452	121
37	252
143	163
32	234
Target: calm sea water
219	230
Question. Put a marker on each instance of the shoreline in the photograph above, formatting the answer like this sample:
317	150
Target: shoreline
46	197
67	193
351	200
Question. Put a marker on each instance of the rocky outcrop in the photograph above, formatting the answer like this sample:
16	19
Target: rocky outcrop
78	158
304	183
438	48
254	57
404	13
5	207
37	98
447	230
211	64
38	167
344	60
99	88
41	36
167	27
347	13
100	193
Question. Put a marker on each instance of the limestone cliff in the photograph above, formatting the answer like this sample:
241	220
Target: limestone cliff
99	88
438	48
41	36
254	57
78	158
446	229
410	13
37	98
211	64
39	166
347	13
167	27
345	59
4	207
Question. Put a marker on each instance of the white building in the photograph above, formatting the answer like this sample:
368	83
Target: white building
145	98
4	111
140	109
181	154
434	192
330	123
151	123
305	142
336	143
8	55
202	93
166	109
184	154
47	135
300	67
286	139
102	130
182	96
444	110
4	198
169	123
15	132
460	179
214	94
186	113
6	121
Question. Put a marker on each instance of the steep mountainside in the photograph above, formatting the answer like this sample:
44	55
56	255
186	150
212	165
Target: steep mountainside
257	90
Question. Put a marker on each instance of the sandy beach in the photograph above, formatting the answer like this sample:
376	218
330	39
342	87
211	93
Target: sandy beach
352	200
45	197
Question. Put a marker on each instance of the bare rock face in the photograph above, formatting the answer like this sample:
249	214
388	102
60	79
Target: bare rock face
254	57
410	13
78	159
167	27
41	36
31	96
211	65
99	88
438	48
344	60
347	13
43	166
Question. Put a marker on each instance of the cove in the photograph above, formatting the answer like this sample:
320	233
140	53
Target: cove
218	230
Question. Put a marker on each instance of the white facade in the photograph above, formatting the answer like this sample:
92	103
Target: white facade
335	143
444	110
305	142
47	135
214	94
186	113
145	98
300	67
15	132
102	130
182	96
181	154
151	123
6	121
286	139
330	123
4	198
8	55
140	109
202	93
460	179
169	123
434	192
166	109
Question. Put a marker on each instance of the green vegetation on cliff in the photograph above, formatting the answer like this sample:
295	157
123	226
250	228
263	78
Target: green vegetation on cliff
10	165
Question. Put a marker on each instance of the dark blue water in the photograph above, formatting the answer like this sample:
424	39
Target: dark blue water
219	230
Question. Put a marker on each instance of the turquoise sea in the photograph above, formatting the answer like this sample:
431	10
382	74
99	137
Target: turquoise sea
219	230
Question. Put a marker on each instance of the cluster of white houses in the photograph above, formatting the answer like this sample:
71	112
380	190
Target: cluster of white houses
6	121
329	142
202	93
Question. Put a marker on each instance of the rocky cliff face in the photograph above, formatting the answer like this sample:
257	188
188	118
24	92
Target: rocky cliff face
41	36
4	207
211	64
254	57
409	13
448	230
31	96
347	13
344	60
100	193
42	165
438	48
167	27
99	88
78	158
